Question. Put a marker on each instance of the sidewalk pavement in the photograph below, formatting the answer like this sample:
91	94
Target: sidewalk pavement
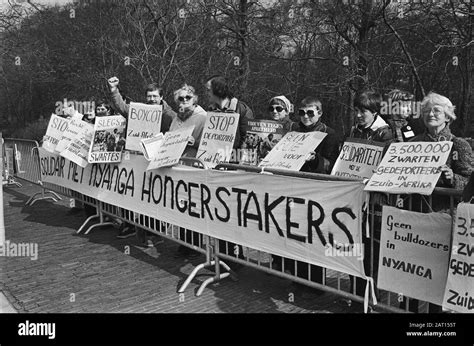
100	273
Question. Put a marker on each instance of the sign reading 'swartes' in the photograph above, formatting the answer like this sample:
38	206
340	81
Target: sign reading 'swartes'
144	121
410	168
358	159
459	293
414	253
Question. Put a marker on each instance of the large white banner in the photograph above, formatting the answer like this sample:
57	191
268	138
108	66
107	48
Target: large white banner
459	293
291	152
218	138
144	121
357	159
410	168
414	253
287	216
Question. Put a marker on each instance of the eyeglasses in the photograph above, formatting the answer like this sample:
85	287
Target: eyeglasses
435	110
309	112
187	98
277	108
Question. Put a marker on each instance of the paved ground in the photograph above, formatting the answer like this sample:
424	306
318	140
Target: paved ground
92	273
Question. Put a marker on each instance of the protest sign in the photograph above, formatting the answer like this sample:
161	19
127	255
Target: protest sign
171	149
358	159
275	214
56	128
410	168
151	146
414	253
75	126
144	121
459	292
261	137
218	138
292	150
78	148
108	140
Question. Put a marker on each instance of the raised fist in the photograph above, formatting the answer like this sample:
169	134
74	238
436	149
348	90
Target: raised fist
113	83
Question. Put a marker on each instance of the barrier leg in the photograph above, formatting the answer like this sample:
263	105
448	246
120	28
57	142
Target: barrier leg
33	199
101	222
193	274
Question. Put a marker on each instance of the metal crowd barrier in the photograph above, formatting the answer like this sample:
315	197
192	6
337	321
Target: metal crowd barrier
217	250
28	168
191	239
333	281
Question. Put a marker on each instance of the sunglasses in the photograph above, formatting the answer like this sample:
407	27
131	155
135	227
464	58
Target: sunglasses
187	98
277	108
309	112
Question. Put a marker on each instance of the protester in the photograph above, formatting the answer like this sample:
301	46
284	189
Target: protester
154	96
189	114
438	113
404	127
279	109
325	155
369	125
222	99
321	161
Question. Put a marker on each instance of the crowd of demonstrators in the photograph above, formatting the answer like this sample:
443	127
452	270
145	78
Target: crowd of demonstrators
370	124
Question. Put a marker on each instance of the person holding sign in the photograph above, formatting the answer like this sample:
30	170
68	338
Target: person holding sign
325	155
154	96
222	99
438	113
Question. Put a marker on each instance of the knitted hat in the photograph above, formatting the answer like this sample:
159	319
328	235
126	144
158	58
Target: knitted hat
284	100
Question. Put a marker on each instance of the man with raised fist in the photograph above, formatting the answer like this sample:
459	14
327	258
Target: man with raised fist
154	96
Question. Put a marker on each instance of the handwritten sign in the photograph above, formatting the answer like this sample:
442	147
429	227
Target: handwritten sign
218	138
75	126
108	140
56	128
151	146
261	137
292	150
414	253
459	292
78	148
171	149
144	121
358	159
410	168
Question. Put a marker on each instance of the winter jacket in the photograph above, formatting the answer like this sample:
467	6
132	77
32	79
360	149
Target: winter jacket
198	119
379	131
